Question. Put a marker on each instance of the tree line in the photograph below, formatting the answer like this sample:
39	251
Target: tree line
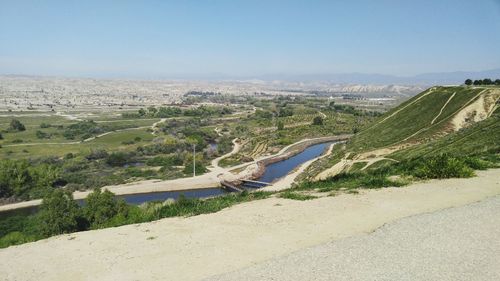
486	81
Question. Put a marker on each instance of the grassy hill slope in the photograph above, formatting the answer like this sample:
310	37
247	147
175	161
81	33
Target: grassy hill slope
419	118
454	120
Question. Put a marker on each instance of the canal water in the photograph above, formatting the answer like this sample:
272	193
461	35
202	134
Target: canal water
280	169
136	199
273	172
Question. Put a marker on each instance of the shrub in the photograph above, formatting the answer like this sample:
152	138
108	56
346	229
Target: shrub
97	154
59	213
42	135
477	163
117	159
16	125
200	168
15	238
101	206
317	120
442	166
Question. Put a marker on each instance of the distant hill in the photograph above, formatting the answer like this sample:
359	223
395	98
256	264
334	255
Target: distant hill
429	79
425	79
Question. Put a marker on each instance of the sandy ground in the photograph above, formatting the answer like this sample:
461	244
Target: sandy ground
247	234
478	110
453	244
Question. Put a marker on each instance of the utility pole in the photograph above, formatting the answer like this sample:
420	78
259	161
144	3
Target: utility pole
194	160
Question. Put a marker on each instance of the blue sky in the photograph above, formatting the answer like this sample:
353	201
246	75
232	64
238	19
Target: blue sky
247	38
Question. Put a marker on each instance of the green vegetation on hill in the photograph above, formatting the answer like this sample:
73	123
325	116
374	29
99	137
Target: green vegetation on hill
413	120
424	143
482	138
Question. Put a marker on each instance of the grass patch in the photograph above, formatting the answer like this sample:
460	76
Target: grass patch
350	181
296	196
194	206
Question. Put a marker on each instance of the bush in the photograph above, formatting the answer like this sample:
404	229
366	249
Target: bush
84	129
97	154
15	238
117	159
23	180
16	125
442	167
42	135
200	168
280	126
101	206
59	213
477	163
317	120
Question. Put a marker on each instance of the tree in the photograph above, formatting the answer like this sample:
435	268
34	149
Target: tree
317	120
478	82
487	81
497	82
285	111
59	213
468	82
152	110
280	126
142	112
101	206
16	125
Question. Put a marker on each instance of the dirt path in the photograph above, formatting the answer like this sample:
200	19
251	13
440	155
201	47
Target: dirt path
345	164
442	108
154	127
238	237
215	162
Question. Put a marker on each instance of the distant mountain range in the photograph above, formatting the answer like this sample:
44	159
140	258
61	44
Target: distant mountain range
437	78
425	79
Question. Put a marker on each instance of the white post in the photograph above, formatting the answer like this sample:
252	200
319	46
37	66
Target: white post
194	160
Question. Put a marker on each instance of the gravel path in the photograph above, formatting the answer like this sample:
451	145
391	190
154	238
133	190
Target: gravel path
453	244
